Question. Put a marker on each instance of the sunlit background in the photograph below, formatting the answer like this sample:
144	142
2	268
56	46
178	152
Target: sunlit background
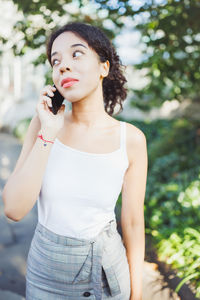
159	43
21	81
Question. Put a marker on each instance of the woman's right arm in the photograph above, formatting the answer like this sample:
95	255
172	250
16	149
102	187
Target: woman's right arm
23	186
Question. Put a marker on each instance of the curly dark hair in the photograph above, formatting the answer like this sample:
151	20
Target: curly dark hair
113	85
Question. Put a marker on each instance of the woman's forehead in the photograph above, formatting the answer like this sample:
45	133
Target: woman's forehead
67	40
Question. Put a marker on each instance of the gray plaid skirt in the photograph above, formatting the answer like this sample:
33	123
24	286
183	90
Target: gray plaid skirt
62	267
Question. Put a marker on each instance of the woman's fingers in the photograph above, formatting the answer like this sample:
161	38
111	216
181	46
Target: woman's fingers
48	100
44	103
48	90
45	100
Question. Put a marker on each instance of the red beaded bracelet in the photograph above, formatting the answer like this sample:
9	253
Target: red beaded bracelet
41	137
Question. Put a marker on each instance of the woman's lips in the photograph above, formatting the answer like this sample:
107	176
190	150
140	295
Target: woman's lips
68	84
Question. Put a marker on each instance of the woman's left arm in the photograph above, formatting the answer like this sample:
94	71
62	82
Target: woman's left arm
132	212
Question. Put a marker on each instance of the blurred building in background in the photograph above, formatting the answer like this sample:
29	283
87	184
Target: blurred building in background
20	83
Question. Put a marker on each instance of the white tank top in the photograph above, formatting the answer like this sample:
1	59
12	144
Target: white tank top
80	189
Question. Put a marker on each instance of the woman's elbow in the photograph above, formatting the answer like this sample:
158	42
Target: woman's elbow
7	211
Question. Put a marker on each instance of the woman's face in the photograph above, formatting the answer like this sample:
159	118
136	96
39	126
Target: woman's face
79	62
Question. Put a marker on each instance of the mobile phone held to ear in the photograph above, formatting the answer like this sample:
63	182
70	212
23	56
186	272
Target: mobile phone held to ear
57	101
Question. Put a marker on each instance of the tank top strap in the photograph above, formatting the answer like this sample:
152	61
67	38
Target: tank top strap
123	141
123	135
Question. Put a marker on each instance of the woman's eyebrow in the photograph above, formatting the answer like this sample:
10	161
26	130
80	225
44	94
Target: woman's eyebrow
74	45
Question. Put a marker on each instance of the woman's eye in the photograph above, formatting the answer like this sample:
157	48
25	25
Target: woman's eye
53	61
77	51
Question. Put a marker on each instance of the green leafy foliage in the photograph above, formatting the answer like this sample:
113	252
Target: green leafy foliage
171	51
171	48
172	200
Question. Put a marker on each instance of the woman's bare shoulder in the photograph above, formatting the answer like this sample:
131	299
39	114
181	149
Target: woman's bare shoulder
135	140
134	134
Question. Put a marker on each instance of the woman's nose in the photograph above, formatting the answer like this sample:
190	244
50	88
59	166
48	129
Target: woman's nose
63	69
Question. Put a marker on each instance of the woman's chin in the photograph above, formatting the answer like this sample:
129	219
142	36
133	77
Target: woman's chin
75	99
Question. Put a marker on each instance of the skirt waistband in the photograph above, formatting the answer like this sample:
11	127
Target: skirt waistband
111	227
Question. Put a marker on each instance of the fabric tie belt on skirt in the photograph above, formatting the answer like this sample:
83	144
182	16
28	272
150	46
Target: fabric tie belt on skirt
100	258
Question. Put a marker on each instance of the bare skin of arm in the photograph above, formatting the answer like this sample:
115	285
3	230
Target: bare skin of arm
23	186
132	212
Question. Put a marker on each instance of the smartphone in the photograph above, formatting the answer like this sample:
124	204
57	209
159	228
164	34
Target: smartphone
56	101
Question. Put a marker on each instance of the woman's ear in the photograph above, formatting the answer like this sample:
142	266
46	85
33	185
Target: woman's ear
105	68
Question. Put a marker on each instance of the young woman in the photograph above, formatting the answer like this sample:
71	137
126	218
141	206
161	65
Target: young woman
75	164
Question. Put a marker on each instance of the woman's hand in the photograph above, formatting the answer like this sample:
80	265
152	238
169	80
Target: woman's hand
48	120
